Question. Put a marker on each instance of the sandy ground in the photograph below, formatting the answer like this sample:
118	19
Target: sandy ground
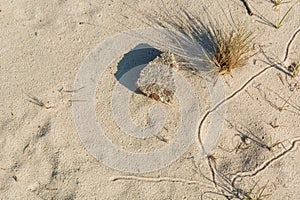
43	45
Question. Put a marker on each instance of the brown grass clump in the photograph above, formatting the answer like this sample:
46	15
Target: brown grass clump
231	48
226	47
203	42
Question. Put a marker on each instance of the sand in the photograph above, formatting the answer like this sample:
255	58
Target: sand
52	151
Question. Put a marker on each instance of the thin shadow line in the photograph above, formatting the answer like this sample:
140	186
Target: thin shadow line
289	44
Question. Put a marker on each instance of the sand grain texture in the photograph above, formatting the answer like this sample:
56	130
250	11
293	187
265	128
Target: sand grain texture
41	156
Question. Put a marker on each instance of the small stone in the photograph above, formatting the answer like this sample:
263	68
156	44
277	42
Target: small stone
157	78
247	141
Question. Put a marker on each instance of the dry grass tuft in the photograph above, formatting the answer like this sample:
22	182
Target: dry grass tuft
226	48
231	48
205	43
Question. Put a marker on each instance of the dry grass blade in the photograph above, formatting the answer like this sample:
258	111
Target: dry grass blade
294	68
258	195
279	2
231	48
272	144
36	101
280	21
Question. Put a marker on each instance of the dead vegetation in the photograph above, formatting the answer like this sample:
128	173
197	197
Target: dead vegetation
231	48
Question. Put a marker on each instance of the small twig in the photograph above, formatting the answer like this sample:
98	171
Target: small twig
26	146
212	165
161	138
77	100
73	91
246	4
51	188
36	101
273	124
280	77
150	179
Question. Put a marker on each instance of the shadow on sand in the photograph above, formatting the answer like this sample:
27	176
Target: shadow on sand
142	54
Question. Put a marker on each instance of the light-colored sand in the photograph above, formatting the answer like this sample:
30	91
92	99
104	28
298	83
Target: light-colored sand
43	45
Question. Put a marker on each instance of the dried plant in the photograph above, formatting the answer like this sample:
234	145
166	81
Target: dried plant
226	48
294	68
203	42
231	48
279	22
258	195
279	2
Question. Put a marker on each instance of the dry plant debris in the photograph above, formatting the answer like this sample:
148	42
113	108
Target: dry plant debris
231	49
